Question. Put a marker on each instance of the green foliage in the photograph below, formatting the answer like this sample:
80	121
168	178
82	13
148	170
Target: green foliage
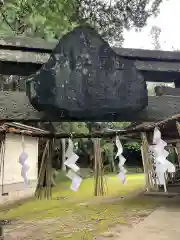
50	19
135	146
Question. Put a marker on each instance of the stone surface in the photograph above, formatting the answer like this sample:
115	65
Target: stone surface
85	78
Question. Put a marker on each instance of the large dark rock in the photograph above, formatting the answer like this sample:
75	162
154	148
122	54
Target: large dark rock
87	80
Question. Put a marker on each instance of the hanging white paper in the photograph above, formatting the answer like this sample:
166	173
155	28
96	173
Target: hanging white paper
74	167
71	163
25	167
122	160
161	178
71	174
156	136
76	182
23	157
70	149
170	167
161	163
119	147
72	159
122	177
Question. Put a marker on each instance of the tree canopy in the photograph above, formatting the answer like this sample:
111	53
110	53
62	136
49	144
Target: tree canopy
52	18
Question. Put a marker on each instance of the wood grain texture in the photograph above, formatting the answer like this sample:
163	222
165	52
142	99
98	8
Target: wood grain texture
15	106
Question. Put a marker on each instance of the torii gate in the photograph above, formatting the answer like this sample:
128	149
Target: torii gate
24	56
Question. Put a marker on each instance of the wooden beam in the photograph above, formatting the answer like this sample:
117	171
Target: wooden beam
15	106
20	56
18	51
44	46
160	108
157	66
27	44
19	69
163	90
23	57
142	54
37	59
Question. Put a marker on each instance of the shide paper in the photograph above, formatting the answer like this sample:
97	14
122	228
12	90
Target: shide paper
22	160
122	160
71	163
162	165
76	182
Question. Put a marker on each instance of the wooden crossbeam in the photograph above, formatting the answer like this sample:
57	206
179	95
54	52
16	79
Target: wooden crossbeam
24	56
40	45
17	62
19	56
15	106
164	90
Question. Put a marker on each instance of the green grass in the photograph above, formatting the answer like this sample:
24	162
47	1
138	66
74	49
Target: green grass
77	219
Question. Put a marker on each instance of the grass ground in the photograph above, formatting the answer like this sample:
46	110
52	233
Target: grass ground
80	215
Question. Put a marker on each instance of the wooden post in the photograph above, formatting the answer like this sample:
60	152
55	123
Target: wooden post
147	164
177	149
145	170
1	233
63	149
39	188
99	187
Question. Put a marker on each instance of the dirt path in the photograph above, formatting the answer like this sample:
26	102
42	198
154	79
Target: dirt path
161	224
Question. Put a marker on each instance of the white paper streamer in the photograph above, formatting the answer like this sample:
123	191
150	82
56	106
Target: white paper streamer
162	165
76	182
71	163
22	160
122	160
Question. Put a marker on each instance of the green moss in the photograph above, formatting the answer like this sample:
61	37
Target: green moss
80	219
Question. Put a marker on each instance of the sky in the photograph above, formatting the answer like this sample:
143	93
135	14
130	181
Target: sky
168	20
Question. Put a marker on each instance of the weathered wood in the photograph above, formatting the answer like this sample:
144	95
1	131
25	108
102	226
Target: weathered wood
36	52
160	108
19	69
143	54
171	141
44	46
158	66
27	43
177	82
20	56
147	163
23	57
163	90
147	185
15	106
178	151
